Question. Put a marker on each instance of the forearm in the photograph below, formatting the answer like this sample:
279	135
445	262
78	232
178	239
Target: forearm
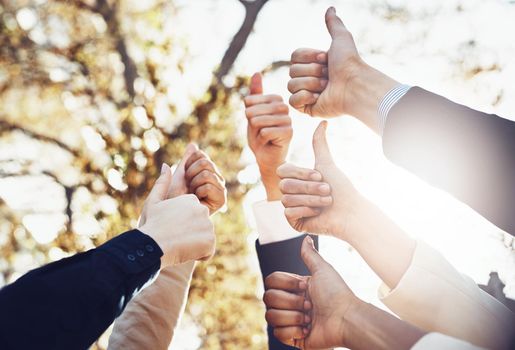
367	327
382	244
366	90
155	312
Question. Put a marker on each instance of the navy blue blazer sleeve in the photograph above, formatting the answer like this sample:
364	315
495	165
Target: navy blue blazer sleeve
465	152
281	256
68	304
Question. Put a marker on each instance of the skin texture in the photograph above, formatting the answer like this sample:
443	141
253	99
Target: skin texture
321	312
170	206
335	82
269	133
309	204
308	311
332	206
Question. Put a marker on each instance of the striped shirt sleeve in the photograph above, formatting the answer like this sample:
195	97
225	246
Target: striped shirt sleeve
389	100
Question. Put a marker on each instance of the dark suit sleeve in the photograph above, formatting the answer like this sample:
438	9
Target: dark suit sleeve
68	304
281	256
467	153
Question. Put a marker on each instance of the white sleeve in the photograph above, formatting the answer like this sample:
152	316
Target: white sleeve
435	297
271	223
443	342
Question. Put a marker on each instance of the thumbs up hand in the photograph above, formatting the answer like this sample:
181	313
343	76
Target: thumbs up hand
336	82
269	133
319	201
319	79
314	320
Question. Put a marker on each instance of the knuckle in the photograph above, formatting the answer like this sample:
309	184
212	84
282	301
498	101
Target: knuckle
284	185
267	296
205	174
253	122
269	317
291	85
270	278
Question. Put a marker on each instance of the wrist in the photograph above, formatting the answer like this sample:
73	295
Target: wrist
352	322
164	246
366	87
271	181
356	220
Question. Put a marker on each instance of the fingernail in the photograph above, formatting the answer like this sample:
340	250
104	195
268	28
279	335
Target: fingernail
321	57
332	9
315	176
325	71
316	96
307	319
163	168
307	305
324	188
323	83
309	240
305	330
327	199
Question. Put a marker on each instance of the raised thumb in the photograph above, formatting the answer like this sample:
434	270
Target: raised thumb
334	24
256	84
178	186
314	262
160	189
320	146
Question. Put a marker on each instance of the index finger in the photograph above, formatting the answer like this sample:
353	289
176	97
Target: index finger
286	281
287	170
252	100
308	56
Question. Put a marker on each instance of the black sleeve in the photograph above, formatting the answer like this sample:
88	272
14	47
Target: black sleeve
467	153
281	256
68	304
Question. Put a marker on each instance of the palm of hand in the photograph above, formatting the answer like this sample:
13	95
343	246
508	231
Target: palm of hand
330	297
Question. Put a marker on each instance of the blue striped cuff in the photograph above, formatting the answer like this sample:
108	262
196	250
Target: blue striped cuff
389	100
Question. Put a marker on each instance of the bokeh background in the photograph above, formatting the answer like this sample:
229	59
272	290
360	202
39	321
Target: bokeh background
96	94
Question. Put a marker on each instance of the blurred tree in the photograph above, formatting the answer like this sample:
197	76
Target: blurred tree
83	86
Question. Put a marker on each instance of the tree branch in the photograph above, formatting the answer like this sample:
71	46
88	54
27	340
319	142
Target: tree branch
108	13
252	10
6	126
275	66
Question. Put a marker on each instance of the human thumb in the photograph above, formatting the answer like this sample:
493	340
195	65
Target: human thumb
334	24
178	186
314	262
256	84
160	188
320	146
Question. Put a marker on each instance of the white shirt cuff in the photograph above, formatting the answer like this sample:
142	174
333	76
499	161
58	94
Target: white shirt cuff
271	223
439	341
389	100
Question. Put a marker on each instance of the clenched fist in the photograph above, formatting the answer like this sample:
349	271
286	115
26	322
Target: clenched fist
180	225
309	312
